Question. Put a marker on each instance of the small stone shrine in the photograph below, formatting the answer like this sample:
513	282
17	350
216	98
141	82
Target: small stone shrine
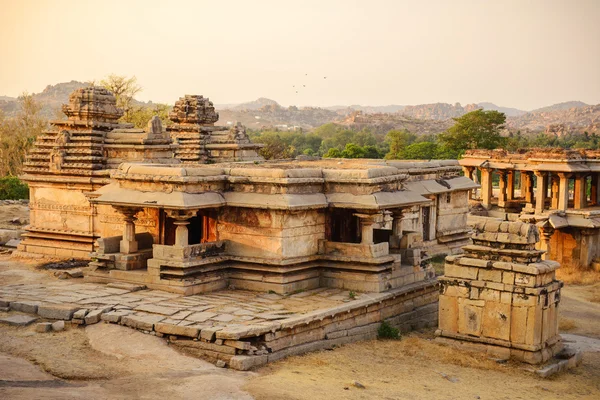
500	296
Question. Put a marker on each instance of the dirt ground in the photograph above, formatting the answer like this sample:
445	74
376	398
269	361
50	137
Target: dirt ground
8	212
109	361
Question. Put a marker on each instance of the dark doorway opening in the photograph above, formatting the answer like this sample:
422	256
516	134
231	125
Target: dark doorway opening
425	220
343	226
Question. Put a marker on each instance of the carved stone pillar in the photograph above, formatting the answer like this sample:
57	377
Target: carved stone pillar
510	185
181	221
580	195
366	227
563	195
554	190
128	244
527	178
502	195
486	188
594	192
546	231
469	173
540	191
396	237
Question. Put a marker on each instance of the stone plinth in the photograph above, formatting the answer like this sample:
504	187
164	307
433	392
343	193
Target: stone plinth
501	295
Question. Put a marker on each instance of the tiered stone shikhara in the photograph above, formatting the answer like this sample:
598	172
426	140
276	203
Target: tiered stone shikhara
501	296
75	157
200	140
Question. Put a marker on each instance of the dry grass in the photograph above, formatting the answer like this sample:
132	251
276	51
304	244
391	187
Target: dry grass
572	276
566	324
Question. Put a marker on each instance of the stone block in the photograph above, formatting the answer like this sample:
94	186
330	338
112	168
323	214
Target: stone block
29	307
457	271
525	280
58	326
43	327
492	275
508	278
469	319
56	311
93	317
18	320
496	320
170	329
448	320
80	314
489	295
143	322
114	316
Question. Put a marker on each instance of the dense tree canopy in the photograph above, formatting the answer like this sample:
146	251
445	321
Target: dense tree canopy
479	129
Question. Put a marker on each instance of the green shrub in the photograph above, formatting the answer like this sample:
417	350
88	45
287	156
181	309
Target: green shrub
386	331
11	188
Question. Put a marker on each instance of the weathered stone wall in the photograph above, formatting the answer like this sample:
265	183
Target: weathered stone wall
573	248
271	234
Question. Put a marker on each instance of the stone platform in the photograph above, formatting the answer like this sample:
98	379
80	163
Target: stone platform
235	328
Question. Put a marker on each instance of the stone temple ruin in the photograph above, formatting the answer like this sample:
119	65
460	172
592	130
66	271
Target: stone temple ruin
193	209
557	189
175	210
500	296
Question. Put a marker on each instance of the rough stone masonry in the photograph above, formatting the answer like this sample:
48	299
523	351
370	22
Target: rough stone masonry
501	296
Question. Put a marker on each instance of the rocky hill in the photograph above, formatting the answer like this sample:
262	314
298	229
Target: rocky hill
438	111
383	122
51	99
508	111
276	116
567	105
559	122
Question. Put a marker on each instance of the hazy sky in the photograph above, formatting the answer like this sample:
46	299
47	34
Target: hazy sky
519	53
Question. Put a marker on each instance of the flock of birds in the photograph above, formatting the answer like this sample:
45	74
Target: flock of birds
294	86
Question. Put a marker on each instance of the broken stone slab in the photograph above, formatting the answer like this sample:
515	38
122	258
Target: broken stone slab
18	320
43	327
56	311
154	309
80	314
4	303
8	234
558	366
69	274
13	243
58	326
201	316
170	329
210	333
126	286
143	322
93	317
29	307
114	316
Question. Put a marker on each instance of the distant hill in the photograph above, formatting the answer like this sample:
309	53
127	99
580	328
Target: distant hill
392	108
51	99
509	112
561	106
438	111
559	122
7	98
255	105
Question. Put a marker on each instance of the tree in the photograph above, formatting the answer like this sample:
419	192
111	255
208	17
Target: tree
479	129
421	151
140	116
124	90
17	134
398	140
